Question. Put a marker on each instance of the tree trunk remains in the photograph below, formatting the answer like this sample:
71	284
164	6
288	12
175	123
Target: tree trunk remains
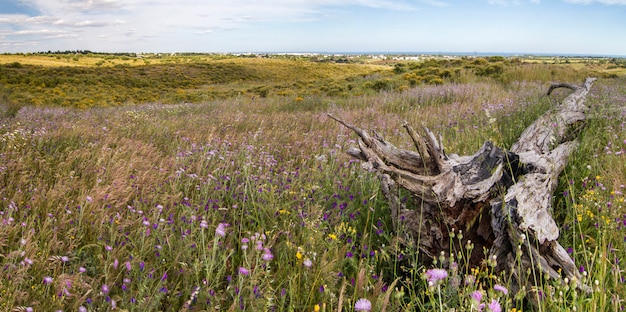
500	199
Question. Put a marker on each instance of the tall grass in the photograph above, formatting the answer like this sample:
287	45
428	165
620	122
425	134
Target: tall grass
251	204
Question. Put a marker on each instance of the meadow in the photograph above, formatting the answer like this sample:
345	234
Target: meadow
241	199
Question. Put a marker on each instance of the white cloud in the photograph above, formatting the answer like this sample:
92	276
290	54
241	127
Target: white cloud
608	2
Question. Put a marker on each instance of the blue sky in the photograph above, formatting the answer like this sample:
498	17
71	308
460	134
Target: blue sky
591	27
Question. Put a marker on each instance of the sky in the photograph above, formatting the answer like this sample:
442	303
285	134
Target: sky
586	27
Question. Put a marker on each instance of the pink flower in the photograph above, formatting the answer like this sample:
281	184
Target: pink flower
244	271
477	296
267	256
308	263
436	274
221	229
47	280
362	305
501	288
494	306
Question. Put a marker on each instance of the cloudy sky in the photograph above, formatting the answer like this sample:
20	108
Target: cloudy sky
592	27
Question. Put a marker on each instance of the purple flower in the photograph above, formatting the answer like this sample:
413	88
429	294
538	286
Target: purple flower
65	259
501	288
477	296
116	263
204	224
362	305
436	274
307	263
128	267
105	289
47	280
82	309
267	256
494	306
244	271
221	229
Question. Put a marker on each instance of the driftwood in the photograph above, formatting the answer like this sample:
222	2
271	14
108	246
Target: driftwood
500	199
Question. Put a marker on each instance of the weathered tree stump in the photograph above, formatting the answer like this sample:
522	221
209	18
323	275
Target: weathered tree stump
500	199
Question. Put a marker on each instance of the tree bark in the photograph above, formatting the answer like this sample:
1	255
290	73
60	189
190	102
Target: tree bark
500	199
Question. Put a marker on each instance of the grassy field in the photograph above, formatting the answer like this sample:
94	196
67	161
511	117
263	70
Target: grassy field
248	202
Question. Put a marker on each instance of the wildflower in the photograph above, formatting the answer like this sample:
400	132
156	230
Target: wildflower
494	306
116	263
244	271
204	224
308	263
501	288
82	270
47	280
267	256
65	259
436	274
362	305
89	199
108	248
298	255
477	296
82	309
128	266
105	289
221	229
316	308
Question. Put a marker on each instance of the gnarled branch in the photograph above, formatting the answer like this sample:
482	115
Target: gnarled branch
501	199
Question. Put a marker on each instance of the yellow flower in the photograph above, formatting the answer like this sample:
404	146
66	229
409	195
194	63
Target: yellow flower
332	236
316	308
299	255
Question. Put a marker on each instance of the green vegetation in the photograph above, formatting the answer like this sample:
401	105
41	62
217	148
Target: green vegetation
92	80
246	200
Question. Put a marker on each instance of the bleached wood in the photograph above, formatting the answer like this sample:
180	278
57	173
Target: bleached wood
500	199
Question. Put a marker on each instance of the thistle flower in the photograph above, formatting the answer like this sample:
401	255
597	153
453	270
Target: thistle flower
307	263
221	229
501	288
494	306
435	275
362	305
267	256
477	296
